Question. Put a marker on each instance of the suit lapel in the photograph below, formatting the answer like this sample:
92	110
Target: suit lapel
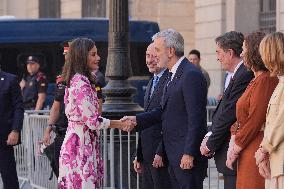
147	94
171	85
230	86
160	84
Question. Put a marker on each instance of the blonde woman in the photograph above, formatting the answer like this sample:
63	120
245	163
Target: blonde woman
270	155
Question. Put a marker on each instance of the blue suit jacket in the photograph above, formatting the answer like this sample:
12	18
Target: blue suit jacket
183	114
150	140
11	106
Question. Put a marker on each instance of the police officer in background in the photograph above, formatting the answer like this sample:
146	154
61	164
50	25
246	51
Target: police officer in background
33	85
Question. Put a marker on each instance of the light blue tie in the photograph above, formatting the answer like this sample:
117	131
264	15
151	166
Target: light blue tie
154	83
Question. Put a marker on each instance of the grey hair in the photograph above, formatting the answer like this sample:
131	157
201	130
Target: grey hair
173	39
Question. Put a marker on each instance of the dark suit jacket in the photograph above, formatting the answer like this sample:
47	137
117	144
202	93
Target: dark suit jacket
150	140
11	106
225	116
183	114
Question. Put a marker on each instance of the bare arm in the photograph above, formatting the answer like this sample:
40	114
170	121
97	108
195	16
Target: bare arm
54	113
100	106
40	101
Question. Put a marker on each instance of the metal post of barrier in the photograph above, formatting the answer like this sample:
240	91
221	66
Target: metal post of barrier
120	159
112	184
105	157
29	143
128	162
136	143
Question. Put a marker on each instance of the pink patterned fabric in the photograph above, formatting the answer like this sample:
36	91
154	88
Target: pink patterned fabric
80	164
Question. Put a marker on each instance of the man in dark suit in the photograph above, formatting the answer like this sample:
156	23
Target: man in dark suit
11	121
216	141
182	112
150	160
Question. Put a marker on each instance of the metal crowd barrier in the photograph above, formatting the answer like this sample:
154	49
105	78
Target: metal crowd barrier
117	151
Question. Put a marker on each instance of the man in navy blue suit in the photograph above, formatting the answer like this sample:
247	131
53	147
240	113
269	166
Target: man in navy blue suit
150	159
182	112
11	121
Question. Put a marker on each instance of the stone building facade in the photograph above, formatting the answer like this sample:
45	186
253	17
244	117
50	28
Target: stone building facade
200	21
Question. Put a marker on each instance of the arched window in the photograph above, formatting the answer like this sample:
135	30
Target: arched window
267	16
49	8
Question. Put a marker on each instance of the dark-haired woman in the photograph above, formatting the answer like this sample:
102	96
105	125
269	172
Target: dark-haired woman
80	163
247	132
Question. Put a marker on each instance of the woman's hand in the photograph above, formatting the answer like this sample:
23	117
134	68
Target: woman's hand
233	153
260	155
264	169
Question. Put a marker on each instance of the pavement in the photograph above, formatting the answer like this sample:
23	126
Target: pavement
215	181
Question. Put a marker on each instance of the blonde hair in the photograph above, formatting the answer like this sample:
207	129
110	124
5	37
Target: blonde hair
272	52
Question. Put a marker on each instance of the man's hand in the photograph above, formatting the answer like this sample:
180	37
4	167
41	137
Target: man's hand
128	123
186	162
13	138
158	161
203	148
137	166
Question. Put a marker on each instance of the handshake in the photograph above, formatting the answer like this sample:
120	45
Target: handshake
127	123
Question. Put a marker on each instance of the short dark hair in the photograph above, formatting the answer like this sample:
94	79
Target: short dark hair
196	52
252	56
231	40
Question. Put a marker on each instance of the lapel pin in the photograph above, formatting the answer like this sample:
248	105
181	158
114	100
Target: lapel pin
2	79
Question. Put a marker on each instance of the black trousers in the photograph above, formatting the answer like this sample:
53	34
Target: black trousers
187	179
53	153
155	178
230	182
58	143
8	168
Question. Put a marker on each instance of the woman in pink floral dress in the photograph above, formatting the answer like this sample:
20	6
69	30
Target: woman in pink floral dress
80	164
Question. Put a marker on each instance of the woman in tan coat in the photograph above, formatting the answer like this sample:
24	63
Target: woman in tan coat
247	132
271	151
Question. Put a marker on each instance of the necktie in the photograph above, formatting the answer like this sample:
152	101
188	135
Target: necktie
154	83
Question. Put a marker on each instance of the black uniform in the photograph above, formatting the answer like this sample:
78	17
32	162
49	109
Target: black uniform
60	127
35	84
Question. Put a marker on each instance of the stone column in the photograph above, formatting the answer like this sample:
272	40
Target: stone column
118	91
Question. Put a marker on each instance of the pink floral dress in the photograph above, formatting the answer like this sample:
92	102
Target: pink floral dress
80	164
